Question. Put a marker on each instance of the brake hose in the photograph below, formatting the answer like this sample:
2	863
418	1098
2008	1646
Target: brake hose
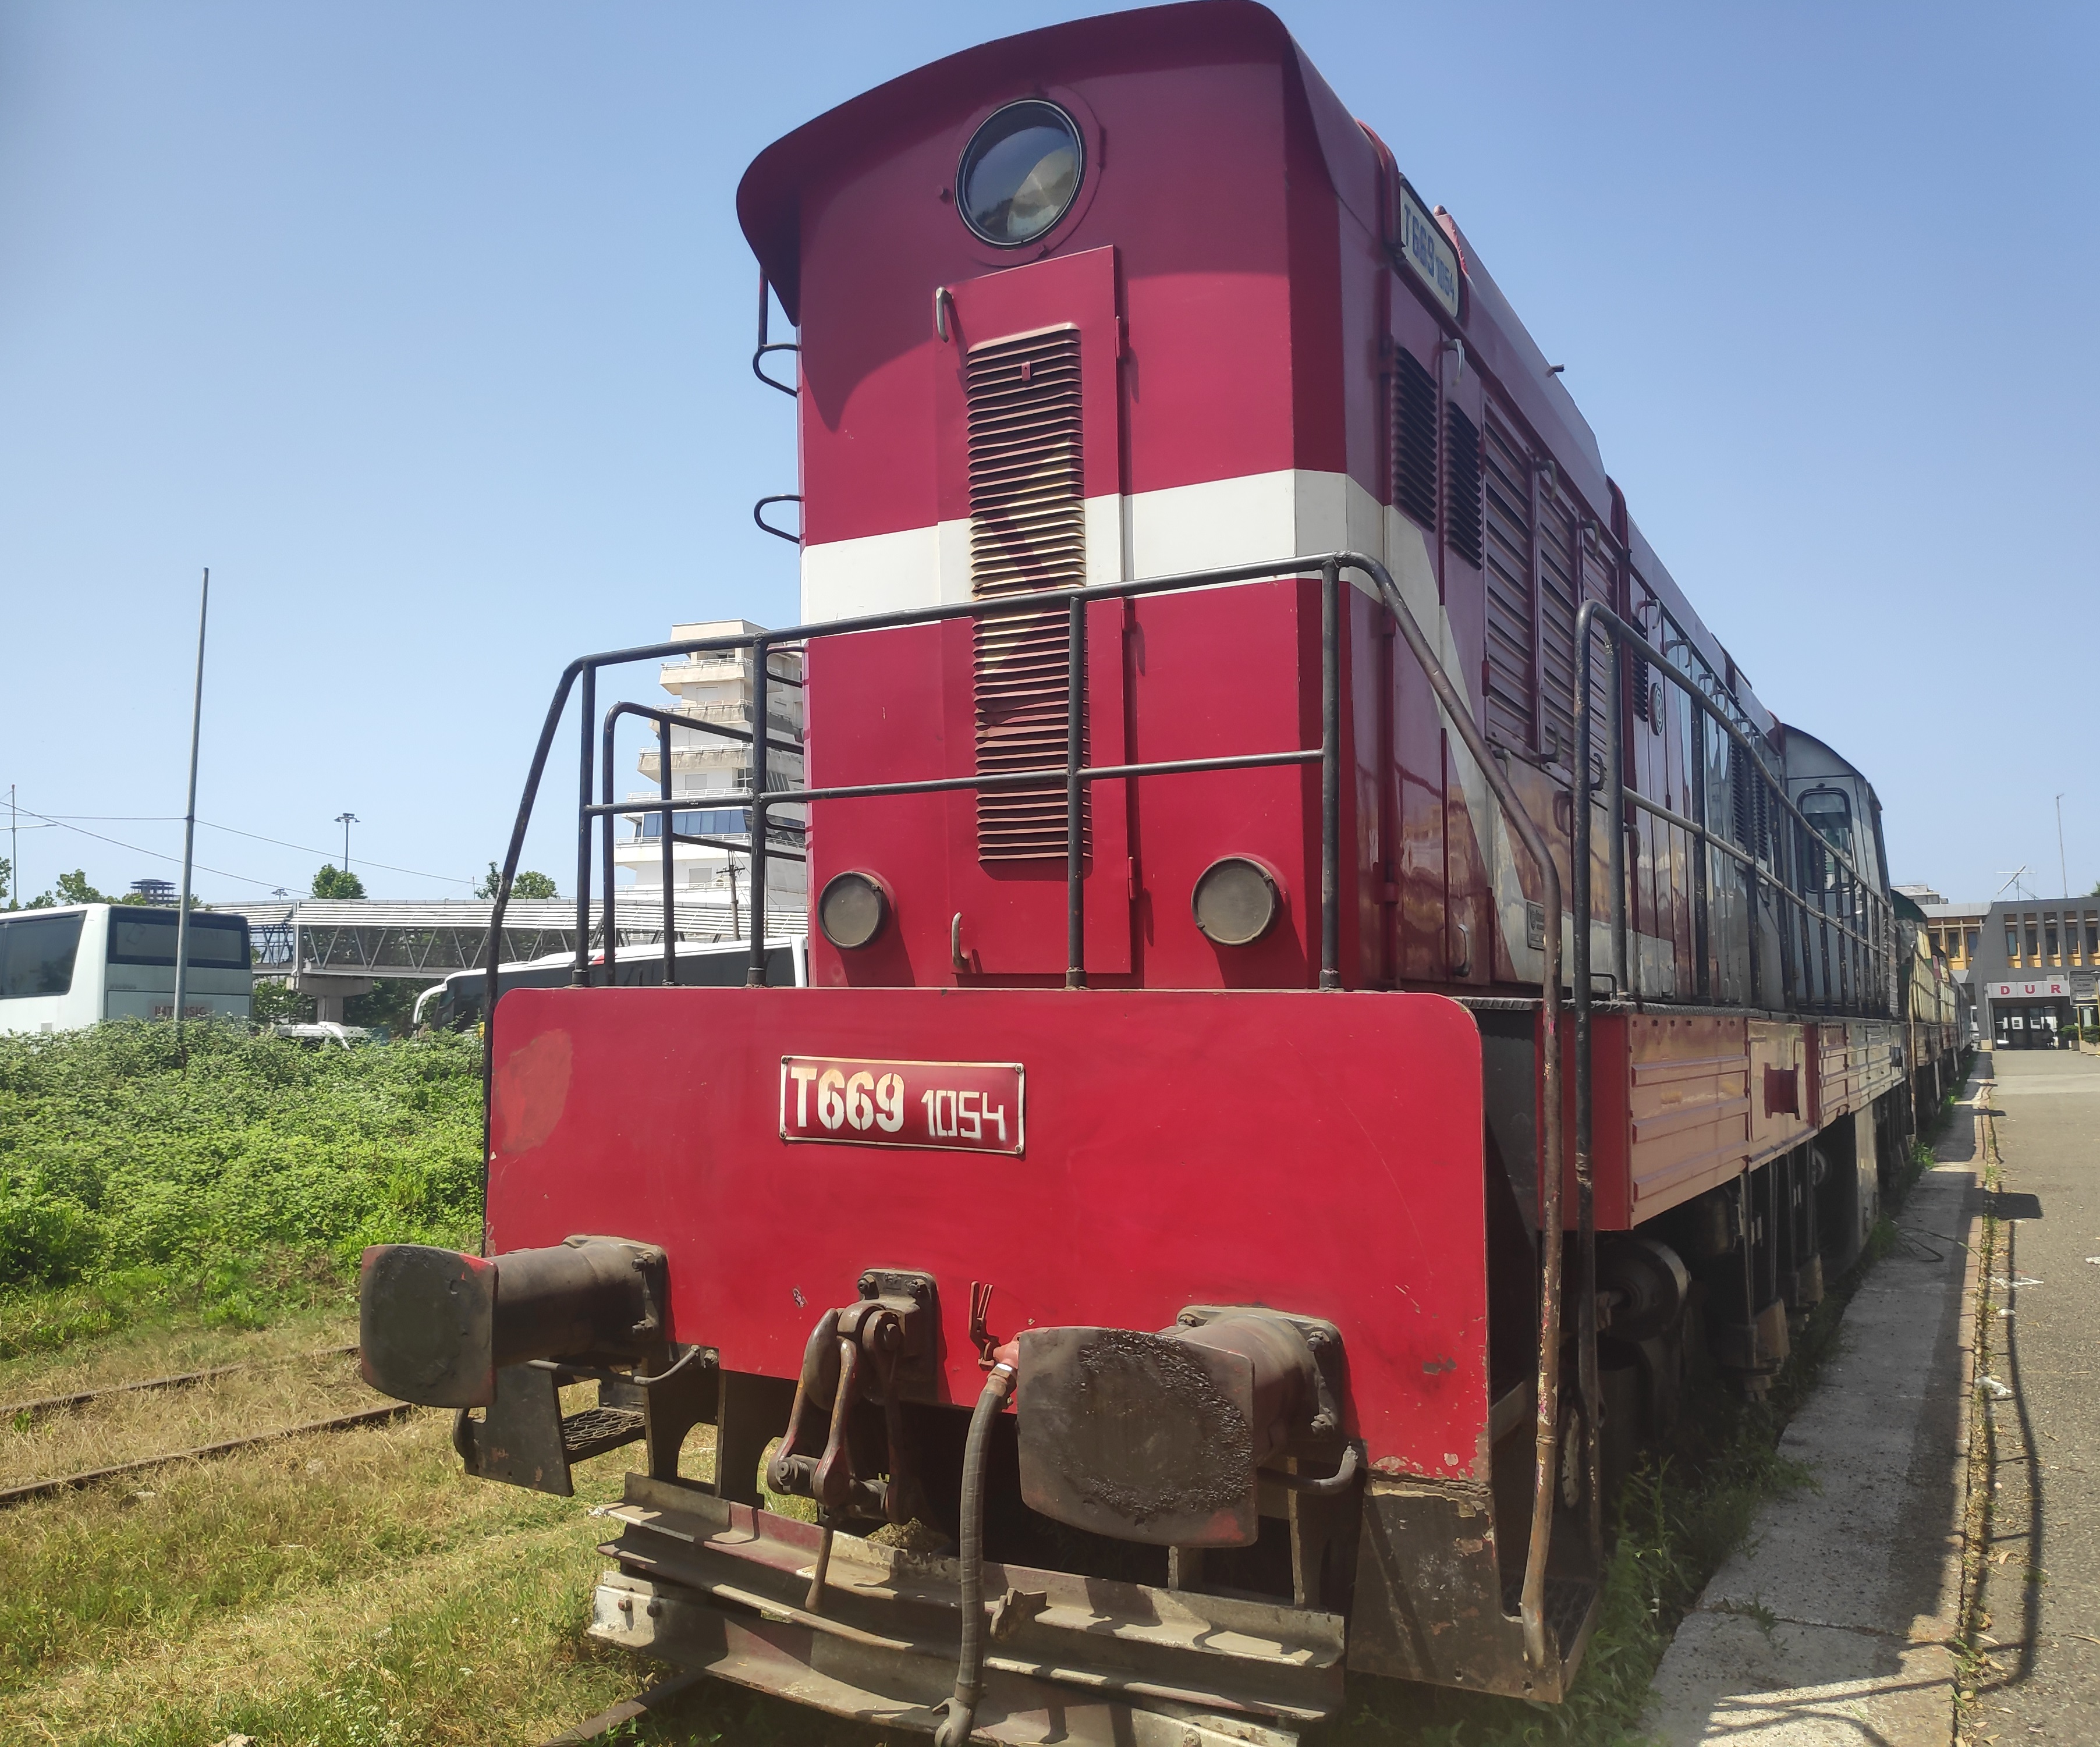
962	1708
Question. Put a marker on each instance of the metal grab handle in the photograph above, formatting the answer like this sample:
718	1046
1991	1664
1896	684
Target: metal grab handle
789	389
758	515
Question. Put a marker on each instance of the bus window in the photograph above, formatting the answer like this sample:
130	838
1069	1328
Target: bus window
148	937
37	956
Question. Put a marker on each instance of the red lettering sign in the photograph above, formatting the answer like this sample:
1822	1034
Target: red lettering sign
956	1106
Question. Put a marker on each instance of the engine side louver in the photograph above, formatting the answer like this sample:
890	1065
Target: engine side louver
1414	438
1027	531
1462	485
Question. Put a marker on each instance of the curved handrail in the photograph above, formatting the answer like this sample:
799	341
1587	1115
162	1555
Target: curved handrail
1459	716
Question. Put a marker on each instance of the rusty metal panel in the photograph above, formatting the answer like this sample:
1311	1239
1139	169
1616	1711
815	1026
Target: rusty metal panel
1779	1109
833	1673
1431	1603
1859	1062
1690	1105
893	1615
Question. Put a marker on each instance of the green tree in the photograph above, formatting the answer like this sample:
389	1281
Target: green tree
7	879
528	884
337	882
279	1003
71	889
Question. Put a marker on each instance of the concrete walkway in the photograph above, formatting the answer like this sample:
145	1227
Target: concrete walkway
1834	1624
2040	1592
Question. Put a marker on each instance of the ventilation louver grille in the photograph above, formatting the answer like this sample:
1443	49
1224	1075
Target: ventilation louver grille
1511	633
1027	531
1462	485
1414	438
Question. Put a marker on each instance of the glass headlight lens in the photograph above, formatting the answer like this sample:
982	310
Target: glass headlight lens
1235	901
1019	173
852	910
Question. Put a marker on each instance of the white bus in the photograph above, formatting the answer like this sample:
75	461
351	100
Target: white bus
62	969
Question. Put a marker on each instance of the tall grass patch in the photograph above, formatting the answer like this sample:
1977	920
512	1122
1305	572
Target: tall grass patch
239	1171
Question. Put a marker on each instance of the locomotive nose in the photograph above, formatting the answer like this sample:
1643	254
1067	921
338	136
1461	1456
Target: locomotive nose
434	1325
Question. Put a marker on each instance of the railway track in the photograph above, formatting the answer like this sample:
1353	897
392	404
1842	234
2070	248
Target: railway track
24	1411
627	1710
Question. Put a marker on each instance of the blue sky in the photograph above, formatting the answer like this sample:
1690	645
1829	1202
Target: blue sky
426	328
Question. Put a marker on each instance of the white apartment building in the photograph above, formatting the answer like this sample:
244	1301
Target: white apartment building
718	688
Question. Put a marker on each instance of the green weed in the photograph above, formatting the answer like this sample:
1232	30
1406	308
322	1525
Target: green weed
131	1180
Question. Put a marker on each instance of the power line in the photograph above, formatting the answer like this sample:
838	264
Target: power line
224	873
308	850
64	822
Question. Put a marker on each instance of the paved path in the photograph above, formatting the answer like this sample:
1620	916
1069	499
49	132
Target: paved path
1834	1624
2044	1635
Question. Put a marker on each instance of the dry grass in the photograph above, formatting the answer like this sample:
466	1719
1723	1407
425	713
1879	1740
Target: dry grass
348	1590
128	1427
164	1349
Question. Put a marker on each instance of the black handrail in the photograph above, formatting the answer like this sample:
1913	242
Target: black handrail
1868	945
1076	776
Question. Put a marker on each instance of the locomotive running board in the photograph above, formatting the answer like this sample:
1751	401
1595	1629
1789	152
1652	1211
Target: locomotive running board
721	1587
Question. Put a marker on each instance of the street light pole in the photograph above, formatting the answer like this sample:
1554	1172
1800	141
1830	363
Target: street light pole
346	820
189	818
2063	871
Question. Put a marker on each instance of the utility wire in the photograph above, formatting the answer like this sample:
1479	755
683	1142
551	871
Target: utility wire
61	820
417	872
224	873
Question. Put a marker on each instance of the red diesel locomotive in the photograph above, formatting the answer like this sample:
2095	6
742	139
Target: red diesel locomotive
1326	987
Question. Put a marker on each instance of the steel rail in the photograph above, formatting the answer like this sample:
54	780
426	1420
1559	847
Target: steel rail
370	1416
59	1404
628	1709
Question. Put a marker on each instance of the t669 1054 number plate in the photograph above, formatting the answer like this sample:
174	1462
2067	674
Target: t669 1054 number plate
960	1106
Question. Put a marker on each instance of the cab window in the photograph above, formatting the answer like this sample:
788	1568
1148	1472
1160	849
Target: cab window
1830	815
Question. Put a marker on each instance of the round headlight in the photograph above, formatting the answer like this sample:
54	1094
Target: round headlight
852	910
1019	173
1235	901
